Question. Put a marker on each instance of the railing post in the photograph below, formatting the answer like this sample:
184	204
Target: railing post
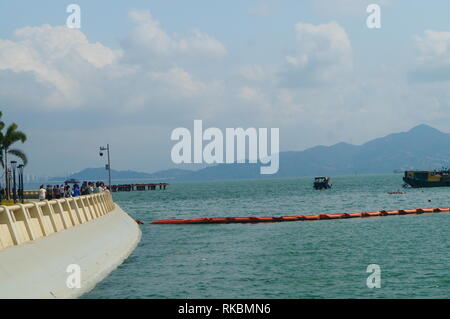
103	201
42	222
52	216
85	211
97	204
12	226
72	218
27	217
63	217
90	208
100	203
94	205
111	202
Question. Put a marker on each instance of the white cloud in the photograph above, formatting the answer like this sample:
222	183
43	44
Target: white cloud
178	81
323	54
57	58
57	43
69	72
434	44
148	43
433	62
256	73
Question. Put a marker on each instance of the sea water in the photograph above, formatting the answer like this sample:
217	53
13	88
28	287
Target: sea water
319	259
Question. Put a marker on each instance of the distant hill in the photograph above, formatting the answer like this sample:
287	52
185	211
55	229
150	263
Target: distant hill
423	147
101	174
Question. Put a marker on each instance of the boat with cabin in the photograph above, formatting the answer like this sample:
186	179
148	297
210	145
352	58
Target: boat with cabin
322	182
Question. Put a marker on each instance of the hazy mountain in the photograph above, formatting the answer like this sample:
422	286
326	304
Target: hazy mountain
423	147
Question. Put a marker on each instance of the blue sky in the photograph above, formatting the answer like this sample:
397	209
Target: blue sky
138	69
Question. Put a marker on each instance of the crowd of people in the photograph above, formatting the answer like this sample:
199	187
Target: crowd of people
50	192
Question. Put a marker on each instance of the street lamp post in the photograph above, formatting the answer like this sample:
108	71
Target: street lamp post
8	184
108	166
14	166
21	187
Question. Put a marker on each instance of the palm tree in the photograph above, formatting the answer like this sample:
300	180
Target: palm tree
11	136
2	124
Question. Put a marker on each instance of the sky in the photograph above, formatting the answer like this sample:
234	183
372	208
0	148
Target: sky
136	70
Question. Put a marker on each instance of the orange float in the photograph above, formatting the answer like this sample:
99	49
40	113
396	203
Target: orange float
311	217
229	220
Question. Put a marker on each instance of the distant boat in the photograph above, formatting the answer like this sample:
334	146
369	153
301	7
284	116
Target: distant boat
436	178
322	182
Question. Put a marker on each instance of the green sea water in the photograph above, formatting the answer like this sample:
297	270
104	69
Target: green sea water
322	259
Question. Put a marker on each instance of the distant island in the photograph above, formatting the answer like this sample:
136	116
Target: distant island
422	147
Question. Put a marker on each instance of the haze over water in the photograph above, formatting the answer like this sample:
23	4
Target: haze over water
322	259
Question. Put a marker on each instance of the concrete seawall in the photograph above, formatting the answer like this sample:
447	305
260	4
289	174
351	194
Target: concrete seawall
46	245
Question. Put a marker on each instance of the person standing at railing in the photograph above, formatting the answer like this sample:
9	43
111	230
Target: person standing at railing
76	191
98	188
57	192
42	193
54	192
90	188
49	192
84	188
67	192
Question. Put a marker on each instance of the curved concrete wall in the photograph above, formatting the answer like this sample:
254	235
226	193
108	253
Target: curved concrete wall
47	248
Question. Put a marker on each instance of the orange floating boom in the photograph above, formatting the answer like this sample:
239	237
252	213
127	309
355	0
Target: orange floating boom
254	220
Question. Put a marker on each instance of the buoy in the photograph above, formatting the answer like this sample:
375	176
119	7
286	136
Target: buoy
243	220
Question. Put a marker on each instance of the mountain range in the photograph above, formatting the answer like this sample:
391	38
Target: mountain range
422	147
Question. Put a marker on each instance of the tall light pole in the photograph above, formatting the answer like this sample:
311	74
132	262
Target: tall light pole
14	166
8	184
108	166
21	187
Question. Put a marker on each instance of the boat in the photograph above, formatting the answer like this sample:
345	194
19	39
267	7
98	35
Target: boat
322	182
436	178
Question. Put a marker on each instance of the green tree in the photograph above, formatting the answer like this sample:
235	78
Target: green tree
7	140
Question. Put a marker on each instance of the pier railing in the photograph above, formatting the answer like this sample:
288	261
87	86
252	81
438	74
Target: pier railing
23	223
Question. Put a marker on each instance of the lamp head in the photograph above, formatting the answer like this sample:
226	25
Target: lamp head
14	164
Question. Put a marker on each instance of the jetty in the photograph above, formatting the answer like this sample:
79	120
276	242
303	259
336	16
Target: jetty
43	245
138	187
34	194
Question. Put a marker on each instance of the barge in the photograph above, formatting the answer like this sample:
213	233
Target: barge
418	179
